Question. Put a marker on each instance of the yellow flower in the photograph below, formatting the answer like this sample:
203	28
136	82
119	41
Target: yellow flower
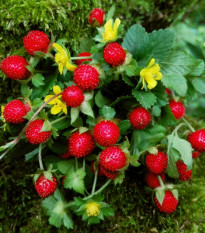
63	59
150	74
58	105
110	30
2	110
92	209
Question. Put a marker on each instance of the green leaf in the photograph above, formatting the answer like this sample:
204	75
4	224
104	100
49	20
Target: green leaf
124	126
31	154
74	113
176	82
107	112
86	108
160	194
59	147
63	124
127	80
156	111
199	85
100	100
146	99
36	103
110	13
119	179
133	160
25	91
107	211
86	44
75	180
159	91
167	118
37	80
173	157
55	220
198	68
177	63
49	203
68	222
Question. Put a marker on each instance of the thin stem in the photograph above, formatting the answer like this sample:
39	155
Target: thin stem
83	164
57	120
40	157
120	99
160	181
95	181
188	124
79	58
76	163
5	153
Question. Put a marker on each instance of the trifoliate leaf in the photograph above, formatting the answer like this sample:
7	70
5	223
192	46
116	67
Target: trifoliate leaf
146	99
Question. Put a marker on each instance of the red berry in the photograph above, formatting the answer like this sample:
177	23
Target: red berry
114	54
84	54
14	67
96	15
73	96
112	158
157	164
45	187
197	140
184	174
106	133
177	108
140	118
169	203
195	154
65	155
109	174
86	77
14	112
168	91
34	134
100	173
153	181
80	145
36	41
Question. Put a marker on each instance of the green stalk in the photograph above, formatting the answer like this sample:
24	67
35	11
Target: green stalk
57	120
95	181
79	58
188	124
76	163
40	157
160	181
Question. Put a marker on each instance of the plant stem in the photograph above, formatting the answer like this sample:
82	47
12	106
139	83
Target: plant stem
40	157
120	99
79	58
95	181
188	124
84	164
76	163
160	181
5	153
57	120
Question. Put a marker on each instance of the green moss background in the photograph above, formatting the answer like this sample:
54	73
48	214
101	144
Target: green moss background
20	209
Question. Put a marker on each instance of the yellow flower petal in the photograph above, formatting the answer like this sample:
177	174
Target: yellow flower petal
60	68
70	66
151	82
151	63
116	25
2	108
52	101
56	90
108	25
158	76
56	109
58	48
65	109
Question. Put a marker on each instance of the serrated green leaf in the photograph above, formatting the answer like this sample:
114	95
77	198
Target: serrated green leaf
100	100
107	112
198	68
86	108
119	179
75	180
173	157
124	126
159	91
37	80
49	203
86	44
66	166
133	160
55	220
176	82
146	99
199	85
160	194
25	91
68	222
108	212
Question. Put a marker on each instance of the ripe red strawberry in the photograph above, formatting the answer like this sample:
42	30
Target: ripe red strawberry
197	140
96	17
100	173
65	155
14	112
195	154
34	134
109	174
169	204
14	67
177	108
157	164
168	91
36	41
84	54
114	54
80	145
139	118
184	174
153	181
86	77
45	187
106	133
73	96
112	158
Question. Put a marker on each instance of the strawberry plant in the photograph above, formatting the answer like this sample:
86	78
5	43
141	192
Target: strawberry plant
118	102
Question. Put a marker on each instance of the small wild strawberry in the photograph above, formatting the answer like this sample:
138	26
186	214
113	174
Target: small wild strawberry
139	118
34	134
36	41
114	54
168	91
157	164
73	96
106	133
86	77
195	154
112	158
14	67
96	17
177	108
197	140
14	112
45	187
84	54
184	174
153	181
80	145
109	174
65	155
169	203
